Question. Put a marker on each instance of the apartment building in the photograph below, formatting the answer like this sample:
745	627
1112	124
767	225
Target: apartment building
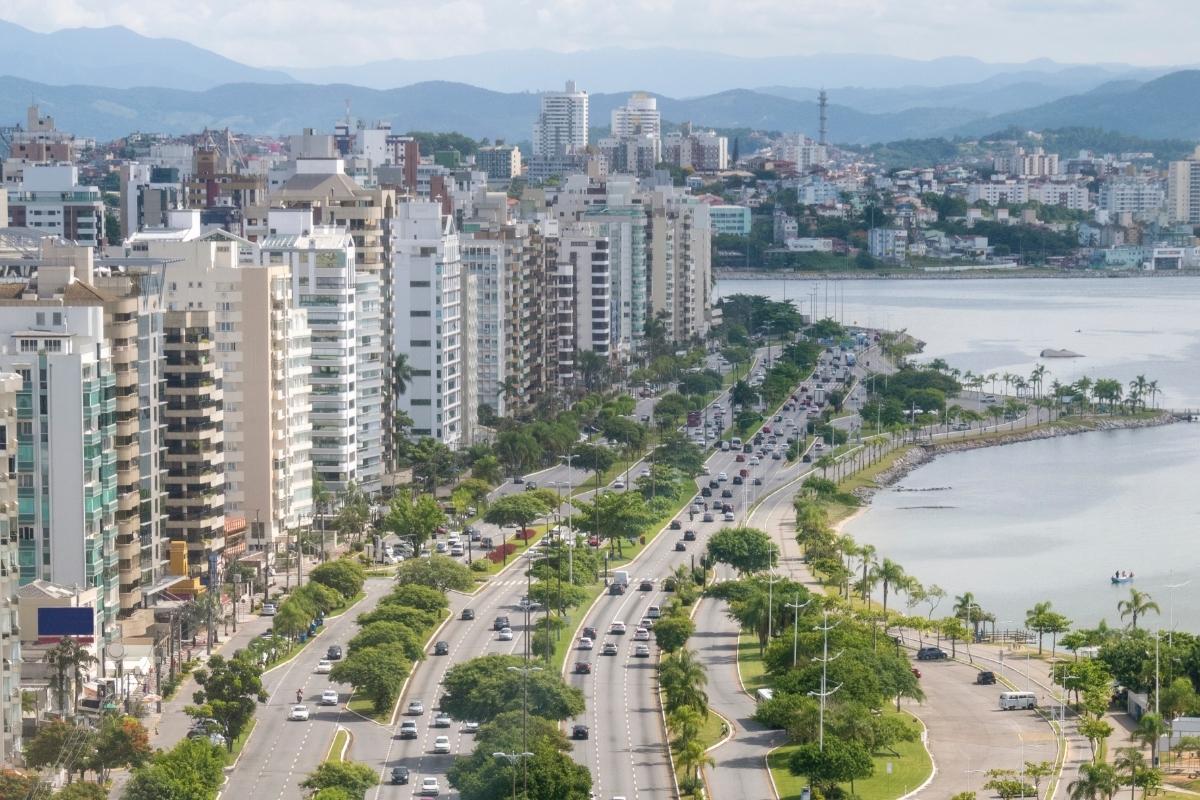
730	220
148	194
583	297
1132	195
1183	190
501	162
195	439
889	244
562	123
51	200
703	151
10	643
322	262
221	190
429	323
680	274
262	345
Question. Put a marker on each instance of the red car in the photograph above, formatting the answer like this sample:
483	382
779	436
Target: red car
740	458
583	668
593	541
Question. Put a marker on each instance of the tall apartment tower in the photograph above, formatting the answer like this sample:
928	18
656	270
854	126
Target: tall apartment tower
638	117
583	296
195	441
1183	190
10	642
430	323
562	124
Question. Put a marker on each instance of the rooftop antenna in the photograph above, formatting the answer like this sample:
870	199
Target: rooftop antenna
823	101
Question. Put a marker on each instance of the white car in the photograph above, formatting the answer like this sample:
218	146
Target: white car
268	610
429	787
299	712
505	635
586	643
721	476
470	727
329	697
441	744
641	635
617	628
644	473
754	462
618	484
324	667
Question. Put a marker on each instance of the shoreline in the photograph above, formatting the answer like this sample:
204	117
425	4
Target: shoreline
865	275
920	454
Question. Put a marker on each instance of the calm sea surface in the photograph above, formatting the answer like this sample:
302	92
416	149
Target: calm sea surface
1053	519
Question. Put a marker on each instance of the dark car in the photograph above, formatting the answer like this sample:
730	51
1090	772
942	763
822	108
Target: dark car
985	678
675	525
648	586
589	632
583	668
706	492
714	484
931	654
726	508
441	649
500	622
579	732
680	547
518	479
468	613
689	536
708	517
616	588
807	458
334	653
737	480
727	493
399	775
758	481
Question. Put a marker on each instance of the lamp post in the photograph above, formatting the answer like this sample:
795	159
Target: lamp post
1062	702
772	579
825	628
513	758
524	709
796	606
237	591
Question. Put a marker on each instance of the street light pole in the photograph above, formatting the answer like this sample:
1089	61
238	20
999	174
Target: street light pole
513	758
824	693
525	709
796	606
772	579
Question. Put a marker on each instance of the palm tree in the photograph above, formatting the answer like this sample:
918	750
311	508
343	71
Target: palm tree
1150	728
1036	376
891	575
401	373
1095	782
1131	760
682	678
1034	619
1137	391
1139	604
867	553
1083	387
68	662
693	757
1152	388
968	609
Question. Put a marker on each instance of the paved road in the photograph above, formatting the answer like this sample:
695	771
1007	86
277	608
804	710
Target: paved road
279	753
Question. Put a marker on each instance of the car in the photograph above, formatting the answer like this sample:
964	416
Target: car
779	417
500	622
807	458
399	775
456	550
586	643
728	516
429	787
777	456
741	458
441	649
721	477
985	678
727	494
646	586
518	479
727	507
931	654
408	729
590	632
440	547
654	612
708	517
583	668
680	546
334	653
441	744
618	484
470	727
754	462
579	731
689	535
738	480
324	667
641	651
641	635
415	708
609	649
329	697
616	588
758	482
675	525
298	712
706	492
467	614
617	628
269	609
442	720
504	635
646	623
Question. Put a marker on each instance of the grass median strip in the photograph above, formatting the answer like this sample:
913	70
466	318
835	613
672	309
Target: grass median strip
341	740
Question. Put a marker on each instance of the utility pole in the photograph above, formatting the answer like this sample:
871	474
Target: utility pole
796	606
772	579
525	709
824	693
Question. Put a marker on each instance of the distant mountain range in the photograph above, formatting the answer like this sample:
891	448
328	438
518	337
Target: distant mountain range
1161	108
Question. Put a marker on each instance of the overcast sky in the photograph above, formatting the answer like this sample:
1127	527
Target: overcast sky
321	32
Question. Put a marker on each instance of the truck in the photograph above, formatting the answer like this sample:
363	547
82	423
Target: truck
819	396
621	576
851	359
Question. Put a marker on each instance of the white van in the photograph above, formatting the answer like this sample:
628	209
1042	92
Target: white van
724	445
763	695
1017	700
735	442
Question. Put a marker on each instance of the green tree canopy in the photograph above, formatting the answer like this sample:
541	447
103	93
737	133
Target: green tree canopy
376	673
414	518
483	688
745	549
229	692
343	575
436	572
350	776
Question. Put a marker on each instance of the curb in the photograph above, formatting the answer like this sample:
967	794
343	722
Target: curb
345	747
404	687
933	767
313	638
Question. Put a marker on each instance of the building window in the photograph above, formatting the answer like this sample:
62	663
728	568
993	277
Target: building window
416	312
420	343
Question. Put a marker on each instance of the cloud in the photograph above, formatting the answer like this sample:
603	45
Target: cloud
288	33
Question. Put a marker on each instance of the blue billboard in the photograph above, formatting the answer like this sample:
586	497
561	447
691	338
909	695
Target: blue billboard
66	621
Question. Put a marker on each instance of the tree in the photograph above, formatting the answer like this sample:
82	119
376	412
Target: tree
747	550
1130	760
1138	604
68	662
352	777
77	791
437	572
891	575
1095	782
517	510
613	516
389	633
1150	728
487	469
594	458
517	450
292	618
192	770
483	688
682	679
15	785
343	575
228	693
692	757
54	740
552	773
121	741
1095	730
376	672
839	761
672	631
414	518
417	595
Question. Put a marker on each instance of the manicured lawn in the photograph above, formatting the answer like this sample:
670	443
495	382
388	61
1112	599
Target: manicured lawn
866	477
711	732
910	768
363	706
240	742
750	663
340	740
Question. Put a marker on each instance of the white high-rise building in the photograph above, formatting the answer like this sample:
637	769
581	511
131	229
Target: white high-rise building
638	117
562	125
429	314
1183	190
